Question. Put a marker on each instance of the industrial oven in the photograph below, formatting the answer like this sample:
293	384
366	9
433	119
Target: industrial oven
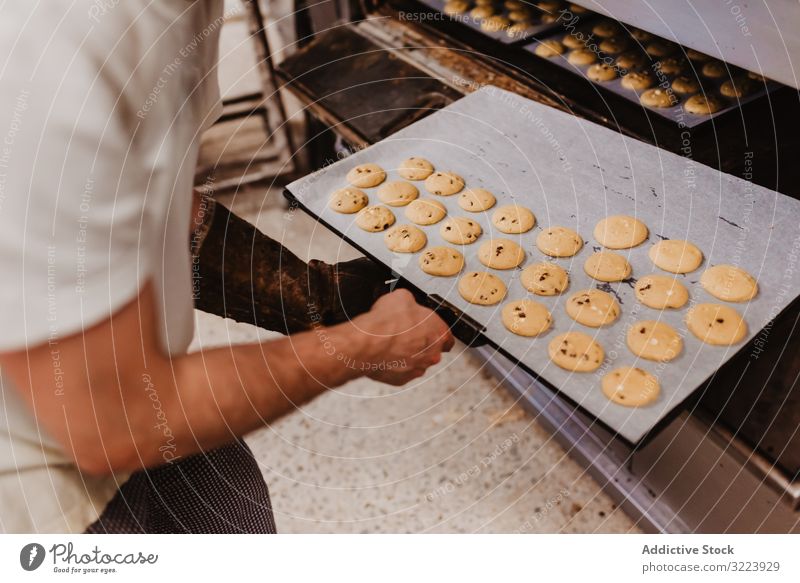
727	459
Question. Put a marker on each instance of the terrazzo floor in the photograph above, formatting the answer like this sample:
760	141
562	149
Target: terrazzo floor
450	452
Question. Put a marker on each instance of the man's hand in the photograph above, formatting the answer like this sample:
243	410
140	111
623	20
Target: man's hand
409	337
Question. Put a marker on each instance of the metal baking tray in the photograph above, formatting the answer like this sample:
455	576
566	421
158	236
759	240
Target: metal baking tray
676	113
500	35
572	172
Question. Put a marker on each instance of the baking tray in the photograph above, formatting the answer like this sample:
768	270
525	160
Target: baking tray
572	172
500	35
676	113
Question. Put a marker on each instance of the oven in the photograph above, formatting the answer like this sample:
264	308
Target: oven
729	461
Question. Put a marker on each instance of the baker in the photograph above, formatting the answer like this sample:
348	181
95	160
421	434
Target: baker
106	424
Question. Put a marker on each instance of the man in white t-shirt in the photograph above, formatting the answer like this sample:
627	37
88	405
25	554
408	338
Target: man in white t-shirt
106	424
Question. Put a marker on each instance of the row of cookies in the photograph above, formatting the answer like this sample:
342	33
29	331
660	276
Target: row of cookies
516	18
658	71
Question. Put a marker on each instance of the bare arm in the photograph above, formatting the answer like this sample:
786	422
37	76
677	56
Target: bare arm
125	405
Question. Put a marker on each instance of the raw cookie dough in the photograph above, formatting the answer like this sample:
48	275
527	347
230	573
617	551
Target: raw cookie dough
685	85
600	72
444	183
460	231
366	175
476	200
661	292
405	239
559	242
654	340
607	266
417	168
549	48
714	69
620	232
676	256
614	45
630	387
702	104
581	57
425	211
482	288
397	193
526	317
659	98
501	254
544	279
375	218
716	324
729	283
495	23
441	261
576	351
348	200
513	219
593	308
638	80
631	60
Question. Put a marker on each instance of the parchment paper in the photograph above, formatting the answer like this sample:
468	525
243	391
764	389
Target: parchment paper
572	172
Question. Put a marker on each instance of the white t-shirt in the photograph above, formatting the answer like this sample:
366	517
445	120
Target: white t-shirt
102	103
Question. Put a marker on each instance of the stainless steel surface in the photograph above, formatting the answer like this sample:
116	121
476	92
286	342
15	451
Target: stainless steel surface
759	35
572	172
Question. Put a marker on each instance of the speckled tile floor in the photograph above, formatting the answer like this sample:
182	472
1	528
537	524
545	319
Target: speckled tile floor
450	452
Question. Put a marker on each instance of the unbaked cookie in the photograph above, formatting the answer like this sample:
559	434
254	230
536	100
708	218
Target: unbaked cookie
549	48
631	60
495	23
397	193
513	219
654	340
576	351
658	98
638	81
476	200
702	104
676	256
607	266
714	69
661	292
559	242
729	283
601	72
482	288
444	183
501	254
348	200
581	57
620	232
441	261
544	279
425	211
405	239
460	231
630	387
416	168
685	85
526	317
366	175
452	7
592	307
375	218
716	324
614	45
